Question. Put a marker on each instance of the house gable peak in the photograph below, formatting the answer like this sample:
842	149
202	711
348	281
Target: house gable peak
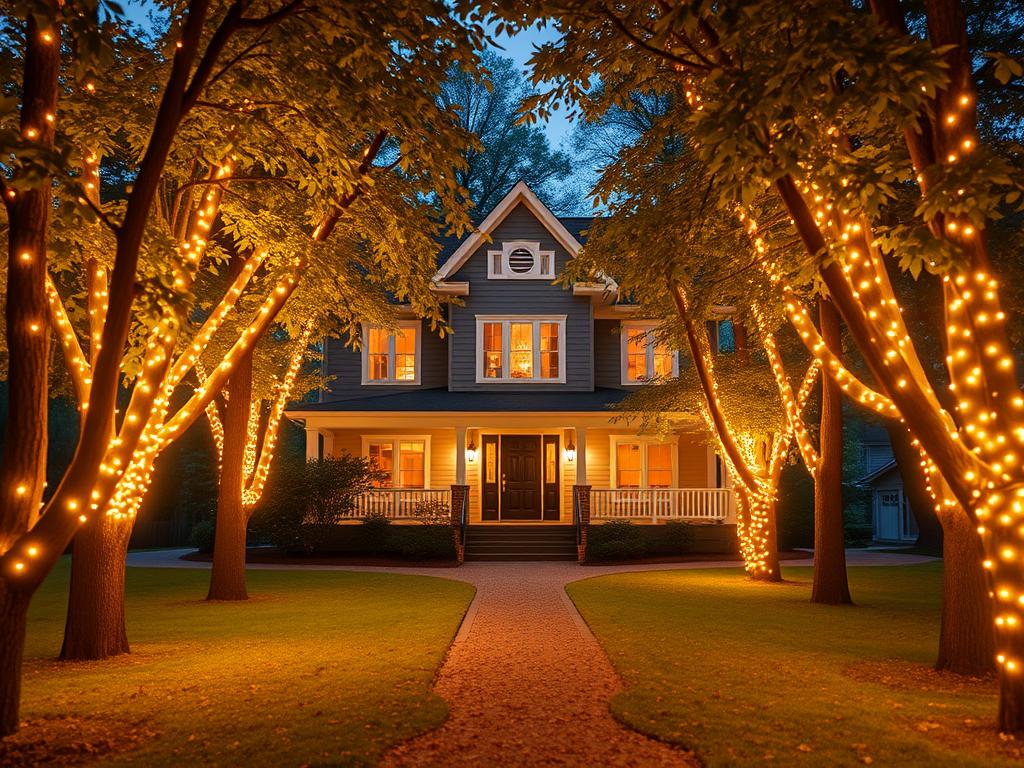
520	193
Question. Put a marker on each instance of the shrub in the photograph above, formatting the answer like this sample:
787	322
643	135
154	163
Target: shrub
433	512
615	540
423	542
374	533
202	535
678	537
309	497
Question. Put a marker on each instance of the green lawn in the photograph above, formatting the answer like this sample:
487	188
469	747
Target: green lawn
318	667
747	673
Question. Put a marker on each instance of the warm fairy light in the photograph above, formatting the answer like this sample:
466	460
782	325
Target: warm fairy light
21	490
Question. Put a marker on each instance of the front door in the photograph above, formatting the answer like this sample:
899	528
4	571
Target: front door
520	477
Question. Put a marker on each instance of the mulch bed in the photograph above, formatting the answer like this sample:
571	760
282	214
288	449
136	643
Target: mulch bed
70	741
277	557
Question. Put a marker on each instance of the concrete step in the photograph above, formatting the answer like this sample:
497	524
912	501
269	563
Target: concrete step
520	557
521	546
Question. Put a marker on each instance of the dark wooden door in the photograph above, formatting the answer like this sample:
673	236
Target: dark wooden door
520	477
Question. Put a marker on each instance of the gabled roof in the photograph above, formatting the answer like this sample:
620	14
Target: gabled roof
878	473
520	193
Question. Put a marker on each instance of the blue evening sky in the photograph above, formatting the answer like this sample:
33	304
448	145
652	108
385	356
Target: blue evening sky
518	47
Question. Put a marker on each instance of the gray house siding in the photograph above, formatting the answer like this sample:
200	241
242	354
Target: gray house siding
342	365
607	354
519	297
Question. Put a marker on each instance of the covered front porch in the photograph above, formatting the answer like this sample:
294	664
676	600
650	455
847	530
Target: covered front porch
527	468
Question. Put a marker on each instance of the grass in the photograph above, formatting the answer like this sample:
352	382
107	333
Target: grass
322	668
747	673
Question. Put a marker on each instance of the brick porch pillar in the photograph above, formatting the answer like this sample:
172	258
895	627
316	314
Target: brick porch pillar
460	497
581	505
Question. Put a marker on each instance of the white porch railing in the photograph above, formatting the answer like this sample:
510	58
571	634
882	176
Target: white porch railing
711	504
397	502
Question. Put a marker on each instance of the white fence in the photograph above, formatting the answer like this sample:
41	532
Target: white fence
398	502
710	504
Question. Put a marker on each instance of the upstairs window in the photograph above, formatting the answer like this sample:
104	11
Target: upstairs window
521	349
644	357
520	260
391	356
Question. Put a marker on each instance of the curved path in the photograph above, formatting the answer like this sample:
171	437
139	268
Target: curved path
526	682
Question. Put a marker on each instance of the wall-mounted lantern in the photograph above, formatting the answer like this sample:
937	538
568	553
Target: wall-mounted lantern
570	451
471	453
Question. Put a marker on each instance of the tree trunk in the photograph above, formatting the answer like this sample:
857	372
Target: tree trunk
227	579
830	584
773	568
966	639
95	627
13	615
929	536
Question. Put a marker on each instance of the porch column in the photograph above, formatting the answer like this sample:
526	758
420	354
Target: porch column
581	455
460	455
328	444
312	444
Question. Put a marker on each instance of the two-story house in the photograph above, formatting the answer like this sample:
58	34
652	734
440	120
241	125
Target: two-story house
517	403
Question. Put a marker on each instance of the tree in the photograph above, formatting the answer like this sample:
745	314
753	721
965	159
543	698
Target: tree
209	49
811	115
508	150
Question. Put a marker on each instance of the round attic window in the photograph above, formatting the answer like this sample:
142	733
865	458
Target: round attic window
520	261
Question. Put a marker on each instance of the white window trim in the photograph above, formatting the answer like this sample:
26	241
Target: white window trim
391	381
395	440
506	272
506	320
647	326
644	442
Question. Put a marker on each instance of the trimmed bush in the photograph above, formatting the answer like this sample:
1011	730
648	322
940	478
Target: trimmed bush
615	540
422	542
202	536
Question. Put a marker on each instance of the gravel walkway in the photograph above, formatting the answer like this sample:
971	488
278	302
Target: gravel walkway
526	682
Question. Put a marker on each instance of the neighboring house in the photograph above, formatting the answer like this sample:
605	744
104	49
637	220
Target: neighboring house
892	519
516	403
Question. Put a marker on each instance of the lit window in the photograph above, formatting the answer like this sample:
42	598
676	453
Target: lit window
521	355
404	461
521	349
628	466
659	465
390	356
411	457
643	463
492	351
644	357
382	458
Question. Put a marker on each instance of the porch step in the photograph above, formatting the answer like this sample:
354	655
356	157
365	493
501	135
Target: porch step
520	542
